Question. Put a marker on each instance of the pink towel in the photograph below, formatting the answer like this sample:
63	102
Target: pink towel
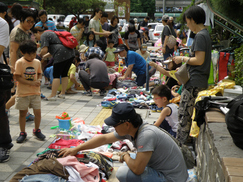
88	174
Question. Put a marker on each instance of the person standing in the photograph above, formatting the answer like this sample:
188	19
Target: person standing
198	65
78	30
132	38
95	26
144	23
114	28
72	23
63	58
28	74
5	137
105	26
44	23
167	31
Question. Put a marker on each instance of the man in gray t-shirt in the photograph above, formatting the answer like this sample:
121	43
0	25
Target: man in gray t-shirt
158	156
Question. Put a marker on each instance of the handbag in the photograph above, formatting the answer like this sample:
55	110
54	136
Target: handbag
171	42
6	77
182	74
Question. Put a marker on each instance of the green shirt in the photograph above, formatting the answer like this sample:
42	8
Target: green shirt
110	55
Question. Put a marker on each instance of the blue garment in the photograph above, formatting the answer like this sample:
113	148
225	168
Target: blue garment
96	50
42	178
91	43
51	25
48	73
124	174
139	63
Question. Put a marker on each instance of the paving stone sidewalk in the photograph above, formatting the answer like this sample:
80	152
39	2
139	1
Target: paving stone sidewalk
76	105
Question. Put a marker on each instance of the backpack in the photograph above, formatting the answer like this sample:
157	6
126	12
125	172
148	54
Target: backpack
67	39
234	120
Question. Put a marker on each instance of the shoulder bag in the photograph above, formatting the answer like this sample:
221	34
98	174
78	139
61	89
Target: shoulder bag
6	77
182	74
171	42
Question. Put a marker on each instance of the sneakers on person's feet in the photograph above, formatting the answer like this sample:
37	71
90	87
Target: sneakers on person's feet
89	93
22	137
61	96
38	134
4	155
29	117
102	93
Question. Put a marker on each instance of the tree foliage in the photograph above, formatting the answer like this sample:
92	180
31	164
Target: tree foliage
75	7
143	6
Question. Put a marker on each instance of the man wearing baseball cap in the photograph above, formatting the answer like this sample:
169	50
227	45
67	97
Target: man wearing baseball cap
134	62
158	157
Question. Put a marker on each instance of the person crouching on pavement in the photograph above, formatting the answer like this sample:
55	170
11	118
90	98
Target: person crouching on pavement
158	157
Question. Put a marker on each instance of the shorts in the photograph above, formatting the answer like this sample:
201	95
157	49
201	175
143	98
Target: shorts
31	101
108	63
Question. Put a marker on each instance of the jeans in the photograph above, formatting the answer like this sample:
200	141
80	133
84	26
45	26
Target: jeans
124	174
42	178
5	137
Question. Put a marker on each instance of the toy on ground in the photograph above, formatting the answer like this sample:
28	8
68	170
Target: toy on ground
63	116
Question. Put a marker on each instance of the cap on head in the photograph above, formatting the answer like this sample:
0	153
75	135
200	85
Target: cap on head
165	17
121	112
120	48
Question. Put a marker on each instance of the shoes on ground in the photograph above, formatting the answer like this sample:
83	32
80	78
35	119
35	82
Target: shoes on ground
89	93
61	96
4	155
102	93
50	99
38	134
29	117
22	137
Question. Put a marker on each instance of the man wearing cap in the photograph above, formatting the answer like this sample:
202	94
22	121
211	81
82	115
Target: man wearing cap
5	137
158	157
134	62
168	30
143	51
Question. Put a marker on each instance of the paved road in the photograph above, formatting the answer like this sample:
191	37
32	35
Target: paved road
76	105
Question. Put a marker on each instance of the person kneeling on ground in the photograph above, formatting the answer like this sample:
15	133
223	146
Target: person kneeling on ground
169	114
158	157
95	75
135	63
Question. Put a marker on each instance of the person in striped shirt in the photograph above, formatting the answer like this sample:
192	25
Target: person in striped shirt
44	23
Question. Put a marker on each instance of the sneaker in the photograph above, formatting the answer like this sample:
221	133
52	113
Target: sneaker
4	155
102	93
29	117
61	96
38	134
89	93
22	137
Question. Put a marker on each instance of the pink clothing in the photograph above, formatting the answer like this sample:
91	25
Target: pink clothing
88	174
28	71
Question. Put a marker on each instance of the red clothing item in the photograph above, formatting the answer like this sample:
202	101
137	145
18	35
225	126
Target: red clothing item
72	23
61	143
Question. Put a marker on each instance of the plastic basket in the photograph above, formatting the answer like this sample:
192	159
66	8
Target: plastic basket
64	124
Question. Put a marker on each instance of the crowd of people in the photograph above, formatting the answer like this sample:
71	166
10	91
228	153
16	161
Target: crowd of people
32	49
